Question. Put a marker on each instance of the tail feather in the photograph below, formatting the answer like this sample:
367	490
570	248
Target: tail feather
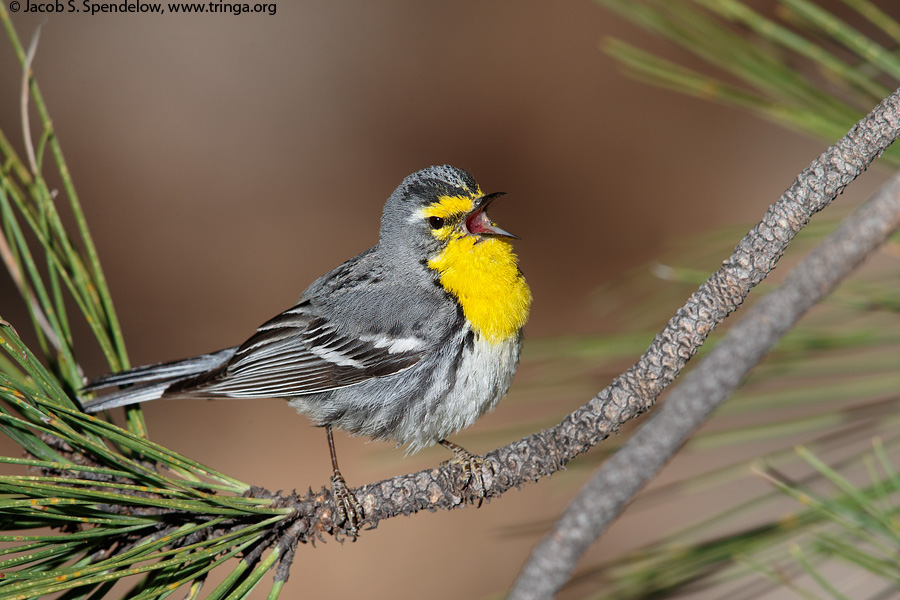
133	395
150	382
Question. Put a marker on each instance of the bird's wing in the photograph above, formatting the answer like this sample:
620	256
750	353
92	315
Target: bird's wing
299	353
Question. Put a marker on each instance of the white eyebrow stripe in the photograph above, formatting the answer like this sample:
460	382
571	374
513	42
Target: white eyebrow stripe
416	216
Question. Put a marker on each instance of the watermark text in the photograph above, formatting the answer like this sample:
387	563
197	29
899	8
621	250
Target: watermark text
89	7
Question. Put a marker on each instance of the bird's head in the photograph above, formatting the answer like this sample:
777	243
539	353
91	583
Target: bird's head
437	207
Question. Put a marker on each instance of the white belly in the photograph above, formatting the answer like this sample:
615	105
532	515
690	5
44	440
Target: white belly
483	378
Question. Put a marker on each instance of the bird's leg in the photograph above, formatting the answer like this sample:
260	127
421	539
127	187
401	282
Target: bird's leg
473	466
348	507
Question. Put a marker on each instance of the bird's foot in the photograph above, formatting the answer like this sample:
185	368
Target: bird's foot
348	508
473	467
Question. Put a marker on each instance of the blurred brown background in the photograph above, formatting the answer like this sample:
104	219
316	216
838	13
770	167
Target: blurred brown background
224	162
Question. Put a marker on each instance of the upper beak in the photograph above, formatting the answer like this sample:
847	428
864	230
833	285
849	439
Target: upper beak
477	222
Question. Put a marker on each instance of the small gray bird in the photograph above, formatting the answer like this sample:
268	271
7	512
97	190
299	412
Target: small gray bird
410	341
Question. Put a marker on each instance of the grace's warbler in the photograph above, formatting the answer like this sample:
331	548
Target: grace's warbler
410	341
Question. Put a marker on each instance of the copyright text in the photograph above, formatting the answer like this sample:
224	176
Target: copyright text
92	8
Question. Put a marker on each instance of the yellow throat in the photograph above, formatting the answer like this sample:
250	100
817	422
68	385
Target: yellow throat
481	273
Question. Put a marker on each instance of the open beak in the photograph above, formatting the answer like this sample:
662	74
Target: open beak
478	223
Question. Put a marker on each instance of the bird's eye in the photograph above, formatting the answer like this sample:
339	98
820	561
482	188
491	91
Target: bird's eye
435	222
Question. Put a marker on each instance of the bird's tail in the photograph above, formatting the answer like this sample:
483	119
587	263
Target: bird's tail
150	381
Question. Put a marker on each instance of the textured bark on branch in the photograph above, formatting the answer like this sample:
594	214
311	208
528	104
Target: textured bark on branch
703	390
636	390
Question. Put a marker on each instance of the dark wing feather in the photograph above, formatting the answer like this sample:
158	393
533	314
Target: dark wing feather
298	353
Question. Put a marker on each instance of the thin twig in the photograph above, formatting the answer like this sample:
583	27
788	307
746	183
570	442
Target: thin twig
23	102
5	250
